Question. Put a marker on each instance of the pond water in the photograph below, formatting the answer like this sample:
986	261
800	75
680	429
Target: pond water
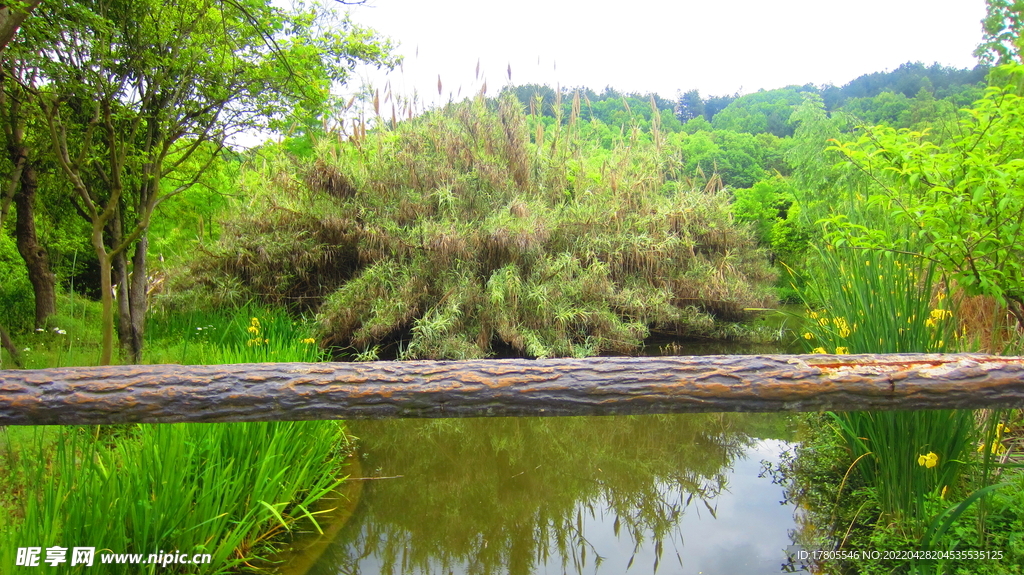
640	494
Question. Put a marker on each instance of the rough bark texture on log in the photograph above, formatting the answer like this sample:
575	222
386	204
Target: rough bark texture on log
595	386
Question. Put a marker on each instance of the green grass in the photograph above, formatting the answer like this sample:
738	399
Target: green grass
71	336
250	334
222	489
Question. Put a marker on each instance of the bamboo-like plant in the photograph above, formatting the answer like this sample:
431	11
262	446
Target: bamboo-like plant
455	233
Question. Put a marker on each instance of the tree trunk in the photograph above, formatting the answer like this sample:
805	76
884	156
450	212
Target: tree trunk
6	343
132	301
36	259
103	260
124	313
138	297
11	18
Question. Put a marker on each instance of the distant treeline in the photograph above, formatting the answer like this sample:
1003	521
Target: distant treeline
872	98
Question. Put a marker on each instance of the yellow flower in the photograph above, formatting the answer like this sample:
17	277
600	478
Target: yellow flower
929	461
941	314
941	296
813	314
808	335
309	341
929	322
823	321
818	350
253	329
255	322
997	448
842	350
943	495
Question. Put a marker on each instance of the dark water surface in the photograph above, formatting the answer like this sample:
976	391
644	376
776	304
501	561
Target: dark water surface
639	494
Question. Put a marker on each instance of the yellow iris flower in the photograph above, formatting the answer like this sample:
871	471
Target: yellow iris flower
929	461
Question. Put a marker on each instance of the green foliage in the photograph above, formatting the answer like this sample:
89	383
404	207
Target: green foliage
886	108
690	107
961	198
189	218
1004	20
770	206
475	226
740	159
907	80
140	98
16	299
766	111
610	107
222	489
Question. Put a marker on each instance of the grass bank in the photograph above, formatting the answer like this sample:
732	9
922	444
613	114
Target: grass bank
227	490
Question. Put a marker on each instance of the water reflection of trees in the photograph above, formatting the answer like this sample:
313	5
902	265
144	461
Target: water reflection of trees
504	495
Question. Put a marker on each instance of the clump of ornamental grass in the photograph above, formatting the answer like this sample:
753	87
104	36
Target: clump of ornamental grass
869	301
476	226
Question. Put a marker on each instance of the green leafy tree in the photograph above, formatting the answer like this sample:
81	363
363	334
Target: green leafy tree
139	94
763	111
1003	22
737	157
715	104
889	108
25	154
690	106
961	198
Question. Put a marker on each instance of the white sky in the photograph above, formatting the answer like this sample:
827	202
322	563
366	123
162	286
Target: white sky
651	46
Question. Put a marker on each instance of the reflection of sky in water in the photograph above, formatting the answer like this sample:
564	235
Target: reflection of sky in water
747	536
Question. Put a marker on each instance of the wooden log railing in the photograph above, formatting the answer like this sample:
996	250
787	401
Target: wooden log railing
595	386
